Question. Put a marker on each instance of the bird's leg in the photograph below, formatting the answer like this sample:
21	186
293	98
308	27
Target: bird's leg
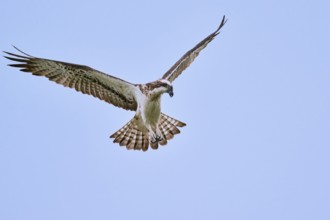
155	136
159	134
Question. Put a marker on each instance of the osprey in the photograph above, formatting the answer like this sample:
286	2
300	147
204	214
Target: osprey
149	126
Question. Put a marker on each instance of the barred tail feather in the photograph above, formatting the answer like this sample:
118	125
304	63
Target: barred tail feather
169	127
130	137
133	138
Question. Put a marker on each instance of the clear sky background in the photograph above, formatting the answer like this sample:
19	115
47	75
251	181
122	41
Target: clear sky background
256	103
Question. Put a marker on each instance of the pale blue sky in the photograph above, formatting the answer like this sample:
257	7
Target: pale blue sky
256	103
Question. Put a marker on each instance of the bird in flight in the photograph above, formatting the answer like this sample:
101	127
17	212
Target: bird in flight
149	126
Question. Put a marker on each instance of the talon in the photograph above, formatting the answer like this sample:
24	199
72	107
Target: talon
153	140
156	138
159	138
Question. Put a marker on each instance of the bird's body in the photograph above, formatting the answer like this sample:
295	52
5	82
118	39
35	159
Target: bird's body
149	126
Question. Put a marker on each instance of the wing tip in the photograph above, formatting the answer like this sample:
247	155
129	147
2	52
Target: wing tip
28	55
22	61
14	57
223	22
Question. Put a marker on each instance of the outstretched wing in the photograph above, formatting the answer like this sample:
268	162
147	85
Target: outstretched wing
82	78
189	57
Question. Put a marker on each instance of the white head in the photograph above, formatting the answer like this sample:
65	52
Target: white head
160	86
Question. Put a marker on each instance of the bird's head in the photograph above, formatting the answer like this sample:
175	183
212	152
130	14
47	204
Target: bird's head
160	86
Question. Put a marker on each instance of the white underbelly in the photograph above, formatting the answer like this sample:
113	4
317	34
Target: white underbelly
148	112
152	112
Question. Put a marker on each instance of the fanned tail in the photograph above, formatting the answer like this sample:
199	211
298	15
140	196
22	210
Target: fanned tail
169	127
131	137
134	139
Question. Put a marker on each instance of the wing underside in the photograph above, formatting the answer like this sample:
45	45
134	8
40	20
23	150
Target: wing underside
81	78
190	56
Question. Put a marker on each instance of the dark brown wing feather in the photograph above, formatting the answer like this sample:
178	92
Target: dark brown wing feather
82	78
189	57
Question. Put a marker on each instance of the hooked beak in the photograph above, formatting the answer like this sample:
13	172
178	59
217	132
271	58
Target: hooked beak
170	91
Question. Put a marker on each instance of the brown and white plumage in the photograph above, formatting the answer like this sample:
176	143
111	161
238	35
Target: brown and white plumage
149	126
131	137
190	56
81	78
